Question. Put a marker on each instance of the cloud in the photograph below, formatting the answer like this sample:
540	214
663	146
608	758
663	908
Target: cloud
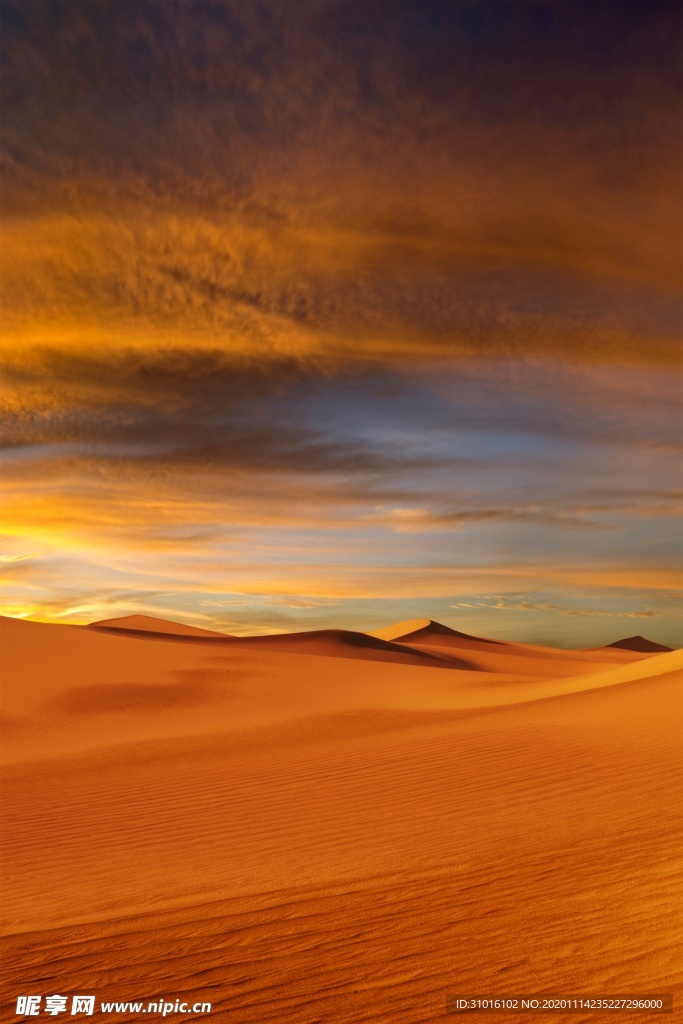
593	511
180	410
507	604
294	291
276	179
416	520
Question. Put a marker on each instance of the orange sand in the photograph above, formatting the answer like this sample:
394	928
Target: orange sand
335	828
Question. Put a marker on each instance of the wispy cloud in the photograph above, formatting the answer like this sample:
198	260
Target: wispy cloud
507	604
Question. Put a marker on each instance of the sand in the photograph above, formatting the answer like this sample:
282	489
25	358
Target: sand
301	835
148	624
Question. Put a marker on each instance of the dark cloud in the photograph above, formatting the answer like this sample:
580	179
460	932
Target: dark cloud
169	411
171	446
173	411
203	379
372	53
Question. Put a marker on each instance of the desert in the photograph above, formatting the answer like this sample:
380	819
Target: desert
336	827
340	545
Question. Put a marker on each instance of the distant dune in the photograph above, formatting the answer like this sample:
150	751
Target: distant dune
330	643
423	631
150	624
343	643
494	655
294	833
639	643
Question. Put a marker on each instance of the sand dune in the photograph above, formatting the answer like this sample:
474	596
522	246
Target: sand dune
331	643
304	837
425	631
494	656
639	643
343	643
151	624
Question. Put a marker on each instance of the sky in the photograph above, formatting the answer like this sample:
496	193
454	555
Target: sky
340	314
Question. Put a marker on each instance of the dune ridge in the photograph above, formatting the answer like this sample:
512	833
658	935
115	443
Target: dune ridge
152	624
424	630
335	643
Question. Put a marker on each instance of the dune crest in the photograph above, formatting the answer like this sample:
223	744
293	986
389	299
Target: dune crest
426	631
328	643
344	643
639	643
150	624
